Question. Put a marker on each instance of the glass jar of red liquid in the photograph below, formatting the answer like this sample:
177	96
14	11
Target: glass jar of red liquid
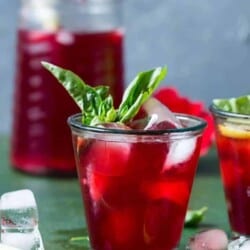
85	36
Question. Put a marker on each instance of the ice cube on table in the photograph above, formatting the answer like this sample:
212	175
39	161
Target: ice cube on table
159	113
19	220
241	243
212	239
18	199
6	247
23	241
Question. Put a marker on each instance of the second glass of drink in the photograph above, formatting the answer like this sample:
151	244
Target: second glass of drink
233	145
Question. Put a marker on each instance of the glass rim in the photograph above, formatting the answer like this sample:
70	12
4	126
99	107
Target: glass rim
201	124
227	114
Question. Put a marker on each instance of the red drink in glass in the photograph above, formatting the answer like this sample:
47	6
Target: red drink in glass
41	140
136	185
233	145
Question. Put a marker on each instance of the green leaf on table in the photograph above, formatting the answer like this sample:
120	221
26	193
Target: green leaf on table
194	217
82	241
240	105
96	103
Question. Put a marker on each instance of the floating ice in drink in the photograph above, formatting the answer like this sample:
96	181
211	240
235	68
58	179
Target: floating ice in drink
19	220
162	118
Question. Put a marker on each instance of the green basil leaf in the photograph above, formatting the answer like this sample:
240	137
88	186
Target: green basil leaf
81	241
240	105
194	217
138	91
95	102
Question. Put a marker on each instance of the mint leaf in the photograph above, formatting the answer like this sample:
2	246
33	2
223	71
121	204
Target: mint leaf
194	217
97	104
139	90
240	105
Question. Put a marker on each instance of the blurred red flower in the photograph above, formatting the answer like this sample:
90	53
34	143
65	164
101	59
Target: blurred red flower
180	104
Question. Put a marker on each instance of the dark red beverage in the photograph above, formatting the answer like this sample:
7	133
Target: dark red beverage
135	187
41	141
233	143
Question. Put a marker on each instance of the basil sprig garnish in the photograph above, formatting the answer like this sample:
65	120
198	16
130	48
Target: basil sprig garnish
96	103
239	105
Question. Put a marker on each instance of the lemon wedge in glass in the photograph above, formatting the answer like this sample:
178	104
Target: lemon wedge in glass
235	131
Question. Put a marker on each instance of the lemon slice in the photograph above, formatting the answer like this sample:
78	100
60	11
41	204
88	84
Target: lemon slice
237	132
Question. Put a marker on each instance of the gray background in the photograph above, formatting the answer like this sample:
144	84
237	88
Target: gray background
206	45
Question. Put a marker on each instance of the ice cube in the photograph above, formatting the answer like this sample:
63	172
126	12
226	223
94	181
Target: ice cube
139	123
18	199
213	239
241	243
19	220
246	245
109	157
24	241
180	151
6	247
159	113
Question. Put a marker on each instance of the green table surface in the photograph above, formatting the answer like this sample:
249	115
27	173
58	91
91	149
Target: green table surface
60	205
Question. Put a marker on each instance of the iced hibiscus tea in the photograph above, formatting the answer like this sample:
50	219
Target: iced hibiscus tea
233	144
136	184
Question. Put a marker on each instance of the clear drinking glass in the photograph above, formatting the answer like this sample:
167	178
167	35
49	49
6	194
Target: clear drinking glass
136	184
233	145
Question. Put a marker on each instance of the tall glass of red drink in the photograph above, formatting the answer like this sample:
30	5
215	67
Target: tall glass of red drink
136	184
233	145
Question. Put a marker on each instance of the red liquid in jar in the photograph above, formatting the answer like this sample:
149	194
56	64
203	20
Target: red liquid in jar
234	155
41	138
134	197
